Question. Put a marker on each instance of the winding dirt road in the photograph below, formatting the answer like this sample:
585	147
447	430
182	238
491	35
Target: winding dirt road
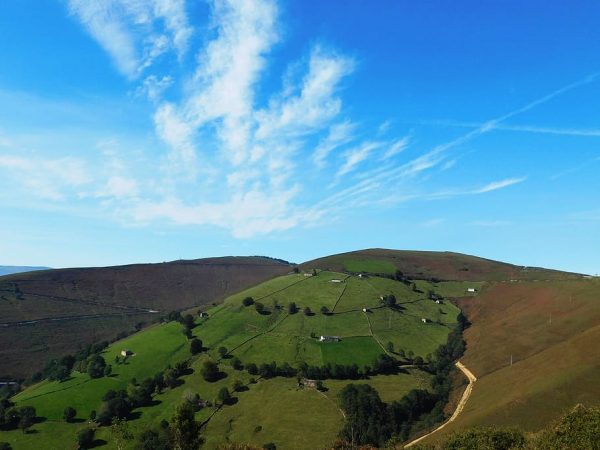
461	404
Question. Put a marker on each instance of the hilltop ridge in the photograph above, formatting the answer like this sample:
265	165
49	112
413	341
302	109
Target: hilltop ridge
433	264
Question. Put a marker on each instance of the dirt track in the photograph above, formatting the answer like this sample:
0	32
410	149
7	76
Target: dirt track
461	404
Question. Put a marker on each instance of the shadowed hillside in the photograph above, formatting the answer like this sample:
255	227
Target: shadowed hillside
427	265
49	313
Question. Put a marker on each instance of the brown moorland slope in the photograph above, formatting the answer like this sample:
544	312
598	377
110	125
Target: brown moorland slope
441	265
552	330
49	313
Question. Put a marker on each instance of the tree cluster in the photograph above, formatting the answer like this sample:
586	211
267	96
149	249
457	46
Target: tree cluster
87	360
12	417
389	301
183	433
371	421
383	364
119	404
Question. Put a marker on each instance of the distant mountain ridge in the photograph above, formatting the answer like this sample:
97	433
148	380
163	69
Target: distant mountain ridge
8	270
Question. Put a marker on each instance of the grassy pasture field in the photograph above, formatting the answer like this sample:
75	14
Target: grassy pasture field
279	336
286	413
369	265
154	349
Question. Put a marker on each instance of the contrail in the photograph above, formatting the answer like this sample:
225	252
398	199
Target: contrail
433	157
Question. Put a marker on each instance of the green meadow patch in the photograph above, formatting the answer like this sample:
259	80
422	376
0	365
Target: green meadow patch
369	266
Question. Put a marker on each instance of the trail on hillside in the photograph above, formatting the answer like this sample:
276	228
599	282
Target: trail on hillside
459	408
65	318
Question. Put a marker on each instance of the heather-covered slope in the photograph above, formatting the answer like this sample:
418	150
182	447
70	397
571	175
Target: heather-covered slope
49	313
550	331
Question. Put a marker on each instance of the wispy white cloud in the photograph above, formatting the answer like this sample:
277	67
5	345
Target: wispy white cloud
355	156
583	132
51	179
437	155
178	134
245	215
339	135
234	155
135	32
396	147
120	187
575	169
494	186
153	86
315	103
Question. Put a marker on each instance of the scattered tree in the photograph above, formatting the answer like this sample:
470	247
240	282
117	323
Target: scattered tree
27	416
155	439
238	385
188	321
210	371
95	366
69	414
307	311
260	308
224	396
195	346
390	347
85	438
248	301
186	431
222	351
252	369
292	308
236	364
324	310
389	300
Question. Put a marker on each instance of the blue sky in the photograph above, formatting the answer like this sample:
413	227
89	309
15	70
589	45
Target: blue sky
152	130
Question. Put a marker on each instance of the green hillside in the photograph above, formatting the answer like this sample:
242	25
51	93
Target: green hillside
264	408
433	265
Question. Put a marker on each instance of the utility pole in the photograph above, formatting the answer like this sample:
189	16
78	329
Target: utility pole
511	360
